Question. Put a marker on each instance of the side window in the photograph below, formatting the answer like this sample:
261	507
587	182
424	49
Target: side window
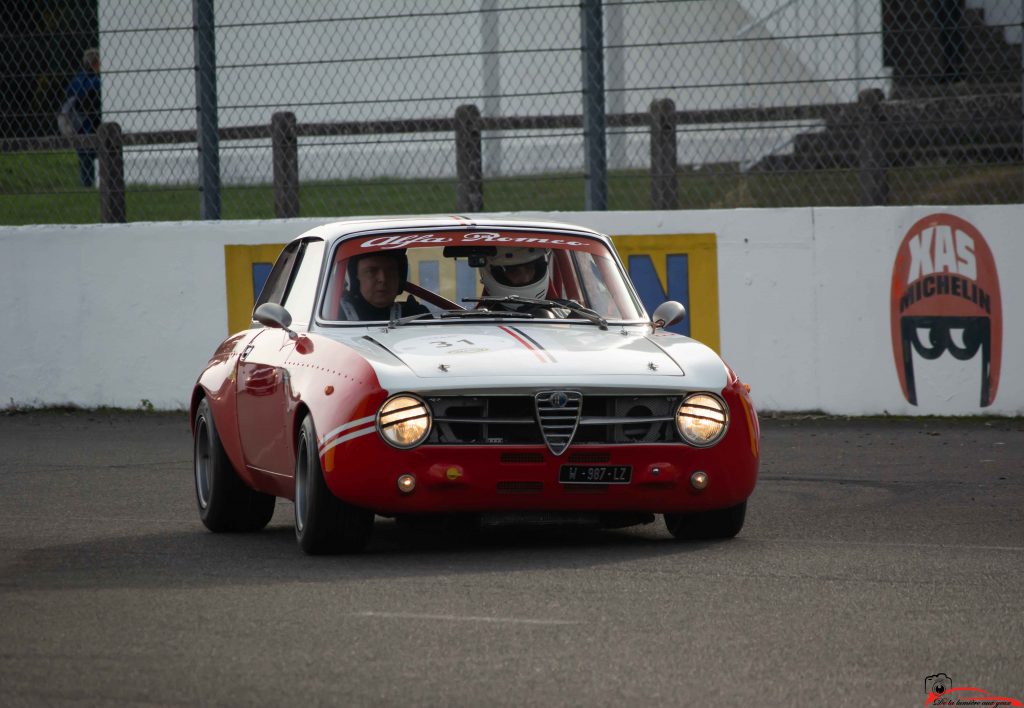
302	291
277	281
331	307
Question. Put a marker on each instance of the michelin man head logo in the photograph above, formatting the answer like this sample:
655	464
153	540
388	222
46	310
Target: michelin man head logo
945	298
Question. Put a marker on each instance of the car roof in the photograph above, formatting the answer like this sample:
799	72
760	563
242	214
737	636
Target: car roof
344	228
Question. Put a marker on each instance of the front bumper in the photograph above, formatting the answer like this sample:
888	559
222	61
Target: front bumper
521	478
479	478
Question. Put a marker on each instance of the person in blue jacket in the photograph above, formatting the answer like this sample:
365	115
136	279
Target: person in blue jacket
82	109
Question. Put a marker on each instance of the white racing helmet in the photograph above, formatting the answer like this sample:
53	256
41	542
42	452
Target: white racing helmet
502	272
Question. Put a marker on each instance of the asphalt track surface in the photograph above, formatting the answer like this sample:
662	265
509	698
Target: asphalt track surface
876	553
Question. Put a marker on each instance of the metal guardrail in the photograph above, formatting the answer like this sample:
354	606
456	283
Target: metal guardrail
467	126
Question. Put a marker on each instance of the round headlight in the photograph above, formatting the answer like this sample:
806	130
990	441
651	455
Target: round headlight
701	419
404	421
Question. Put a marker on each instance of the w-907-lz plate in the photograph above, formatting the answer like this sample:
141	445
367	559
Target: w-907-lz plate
595	474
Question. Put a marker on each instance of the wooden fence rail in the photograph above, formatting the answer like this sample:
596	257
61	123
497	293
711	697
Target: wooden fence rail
467	125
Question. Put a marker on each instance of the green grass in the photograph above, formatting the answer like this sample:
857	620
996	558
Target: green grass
43	188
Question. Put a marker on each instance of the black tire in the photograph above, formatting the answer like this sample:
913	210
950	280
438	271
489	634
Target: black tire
225	502
324	524
707	525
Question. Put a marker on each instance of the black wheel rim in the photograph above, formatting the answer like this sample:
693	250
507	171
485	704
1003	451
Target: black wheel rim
301	485
203	462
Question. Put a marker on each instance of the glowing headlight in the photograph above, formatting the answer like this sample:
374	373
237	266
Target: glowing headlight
701	419
404	421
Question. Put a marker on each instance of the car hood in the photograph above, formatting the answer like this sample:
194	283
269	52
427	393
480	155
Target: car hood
488	352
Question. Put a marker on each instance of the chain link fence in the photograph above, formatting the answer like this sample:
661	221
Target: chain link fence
256	109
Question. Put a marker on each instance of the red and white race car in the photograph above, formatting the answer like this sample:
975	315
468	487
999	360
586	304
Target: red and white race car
448	365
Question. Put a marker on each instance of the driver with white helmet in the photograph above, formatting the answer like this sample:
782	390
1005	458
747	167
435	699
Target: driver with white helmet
517	271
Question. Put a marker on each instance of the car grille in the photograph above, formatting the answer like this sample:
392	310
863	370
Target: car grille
537	420
558	413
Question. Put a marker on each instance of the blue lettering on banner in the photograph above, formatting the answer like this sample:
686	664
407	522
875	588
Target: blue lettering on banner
648	285
465	280
430	276
260	273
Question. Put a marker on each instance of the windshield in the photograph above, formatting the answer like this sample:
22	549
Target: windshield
438	276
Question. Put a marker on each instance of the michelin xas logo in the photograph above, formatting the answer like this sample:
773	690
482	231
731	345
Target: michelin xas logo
945	299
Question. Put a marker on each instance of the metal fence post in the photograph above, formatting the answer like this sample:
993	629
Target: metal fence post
664	183
110	151
595	153
469	193
871	150
490	46
206	108
285	142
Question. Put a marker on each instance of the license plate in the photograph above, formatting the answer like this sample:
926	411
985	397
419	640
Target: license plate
595	474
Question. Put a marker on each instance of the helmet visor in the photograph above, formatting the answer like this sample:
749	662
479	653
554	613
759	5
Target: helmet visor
522	274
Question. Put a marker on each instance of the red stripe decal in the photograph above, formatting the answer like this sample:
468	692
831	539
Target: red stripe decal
535	343
523	342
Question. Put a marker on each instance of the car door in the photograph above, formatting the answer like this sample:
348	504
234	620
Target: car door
263	384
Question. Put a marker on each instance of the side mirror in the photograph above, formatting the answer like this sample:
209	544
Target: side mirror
271	314
667	314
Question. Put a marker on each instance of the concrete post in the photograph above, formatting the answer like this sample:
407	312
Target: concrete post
871	150
469	194
285	143
111	158
595	149
664	183
206	108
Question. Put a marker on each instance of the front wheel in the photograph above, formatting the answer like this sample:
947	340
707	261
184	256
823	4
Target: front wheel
707	525
225	502
323	523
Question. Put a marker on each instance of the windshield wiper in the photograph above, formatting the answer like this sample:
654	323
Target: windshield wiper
484	312
571	305
396	321
457	314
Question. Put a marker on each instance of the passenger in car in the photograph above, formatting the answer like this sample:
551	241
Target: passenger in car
374	282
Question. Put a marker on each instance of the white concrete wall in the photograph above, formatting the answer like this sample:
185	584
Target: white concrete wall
112	315
279	61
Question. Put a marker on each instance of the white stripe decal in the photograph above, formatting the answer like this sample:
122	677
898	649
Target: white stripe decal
347	426
344	438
